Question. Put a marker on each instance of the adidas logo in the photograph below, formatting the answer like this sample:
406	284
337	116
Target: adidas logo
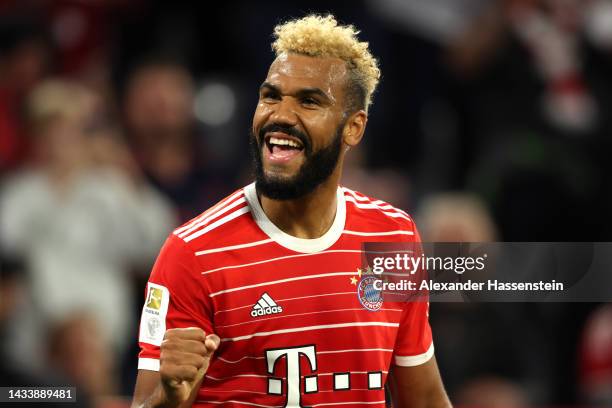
265	306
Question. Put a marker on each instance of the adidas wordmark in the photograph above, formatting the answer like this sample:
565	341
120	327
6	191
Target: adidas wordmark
265	306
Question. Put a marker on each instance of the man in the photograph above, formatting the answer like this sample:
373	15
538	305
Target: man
254	302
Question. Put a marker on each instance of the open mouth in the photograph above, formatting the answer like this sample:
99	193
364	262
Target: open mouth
277	144
281	148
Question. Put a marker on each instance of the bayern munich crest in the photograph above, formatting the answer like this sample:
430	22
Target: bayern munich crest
370	298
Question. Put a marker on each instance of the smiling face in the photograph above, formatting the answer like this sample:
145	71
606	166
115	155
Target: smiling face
298	125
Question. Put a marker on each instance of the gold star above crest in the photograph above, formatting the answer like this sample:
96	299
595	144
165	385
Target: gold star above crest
353	280
359	272
369	270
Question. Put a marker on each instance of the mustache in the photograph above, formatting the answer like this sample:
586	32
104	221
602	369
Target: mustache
289	130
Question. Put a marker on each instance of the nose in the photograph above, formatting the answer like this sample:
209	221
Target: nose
283	113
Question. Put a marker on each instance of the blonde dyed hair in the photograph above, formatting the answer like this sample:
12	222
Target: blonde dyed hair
322	36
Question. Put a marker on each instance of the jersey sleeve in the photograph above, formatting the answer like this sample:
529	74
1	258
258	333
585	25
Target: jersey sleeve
174	298
414	343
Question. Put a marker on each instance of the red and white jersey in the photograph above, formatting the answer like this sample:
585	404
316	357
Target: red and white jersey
293	329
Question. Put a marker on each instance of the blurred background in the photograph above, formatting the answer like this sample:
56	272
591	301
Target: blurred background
121	119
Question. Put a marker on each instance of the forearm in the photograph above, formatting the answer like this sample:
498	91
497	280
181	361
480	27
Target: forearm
157	399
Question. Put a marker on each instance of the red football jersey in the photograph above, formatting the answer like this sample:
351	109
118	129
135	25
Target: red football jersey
295	329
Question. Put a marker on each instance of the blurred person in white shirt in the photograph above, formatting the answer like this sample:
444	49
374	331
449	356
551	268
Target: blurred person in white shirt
81	217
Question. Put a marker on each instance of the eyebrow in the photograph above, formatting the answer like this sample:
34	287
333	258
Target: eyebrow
301	92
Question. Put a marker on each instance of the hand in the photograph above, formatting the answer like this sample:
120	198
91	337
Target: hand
184	359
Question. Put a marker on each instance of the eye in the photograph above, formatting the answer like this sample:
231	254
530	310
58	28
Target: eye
310	102
269	96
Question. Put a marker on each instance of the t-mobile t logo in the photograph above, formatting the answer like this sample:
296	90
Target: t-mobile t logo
293	355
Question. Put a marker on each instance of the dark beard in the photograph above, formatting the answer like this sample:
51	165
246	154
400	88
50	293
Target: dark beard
316	169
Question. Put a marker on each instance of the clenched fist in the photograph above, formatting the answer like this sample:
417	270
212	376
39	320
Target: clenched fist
184	359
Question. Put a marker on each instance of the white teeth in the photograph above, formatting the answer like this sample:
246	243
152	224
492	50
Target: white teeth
284	142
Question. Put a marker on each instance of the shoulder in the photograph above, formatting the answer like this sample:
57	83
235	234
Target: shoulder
25	181
23	193
217	223
376	214
218	227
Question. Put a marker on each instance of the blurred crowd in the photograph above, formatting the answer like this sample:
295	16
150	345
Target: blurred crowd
121	119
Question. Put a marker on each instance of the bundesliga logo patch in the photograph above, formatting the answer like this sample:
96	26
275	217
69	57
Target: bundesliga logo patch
265	306
155	298
153	318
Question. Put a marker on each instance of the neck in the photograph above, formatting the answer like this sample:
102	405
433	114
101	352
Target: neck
307	217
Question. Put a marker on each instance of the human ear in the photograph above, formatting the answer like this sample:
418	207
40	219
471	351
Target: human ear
354	128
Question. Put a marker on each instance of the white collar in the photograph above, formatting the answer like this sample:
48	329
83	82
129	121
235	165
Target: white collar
289	241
